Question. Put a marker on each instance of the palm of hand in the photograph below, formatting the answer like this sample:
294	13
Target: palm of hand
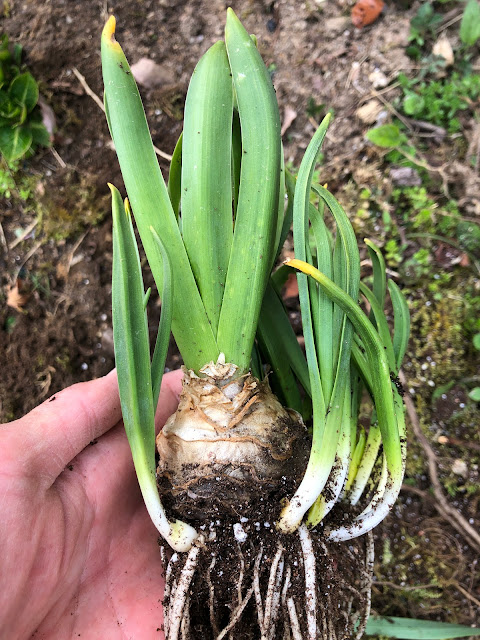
80	557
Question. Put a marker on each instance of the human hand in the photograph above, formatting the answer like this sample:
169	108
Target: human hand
79	555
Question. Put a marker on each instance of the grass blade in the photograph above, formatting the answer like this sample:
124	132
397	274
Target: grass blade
411	629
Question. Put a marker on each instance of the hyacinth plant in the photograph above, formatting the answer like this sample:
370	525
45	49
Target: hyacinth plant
253	493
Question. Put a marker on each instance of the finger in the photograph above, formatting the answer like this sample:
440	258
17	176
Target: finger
168	398
108	465
45	440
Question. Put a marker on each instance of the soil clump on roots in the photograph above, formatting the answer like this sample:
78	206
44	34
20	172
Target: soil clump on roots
227	459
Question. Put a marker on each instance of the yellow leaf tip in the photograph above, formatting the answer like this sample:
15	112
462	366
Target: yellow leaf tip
109	28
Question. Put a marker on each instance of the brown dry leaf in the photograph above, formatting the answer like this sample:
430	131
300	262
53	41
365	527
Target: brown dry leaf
289	116
16	299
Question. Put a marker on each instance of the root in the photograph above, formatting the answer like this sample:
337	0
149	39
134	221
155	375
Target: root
310	580
309	589
256	587
268	627
176	615
236	614
294	623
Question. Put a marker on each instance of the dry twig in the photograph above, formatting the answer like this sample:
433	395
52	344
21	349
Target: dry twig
443	506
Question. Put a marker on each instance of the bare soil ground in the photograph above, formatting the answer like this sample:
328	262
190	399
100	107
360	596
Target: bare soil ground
56	243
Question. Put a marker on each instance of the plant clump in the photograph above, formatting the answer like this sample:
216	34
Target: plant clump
265	519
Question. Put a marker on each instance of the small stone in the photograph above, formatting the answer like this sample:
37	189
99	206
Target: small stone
334	26
378	79
150	74
369	112
459	468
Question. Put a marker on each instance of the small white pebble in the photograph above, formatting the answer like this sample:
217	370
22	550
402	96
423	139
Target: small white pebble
84	366
239	532
266	525
431	383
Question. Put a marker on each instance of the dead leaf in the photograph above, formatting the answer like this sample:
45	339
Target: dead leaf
17	299
149	74
49	120
369	112
405	177
289	116
443	48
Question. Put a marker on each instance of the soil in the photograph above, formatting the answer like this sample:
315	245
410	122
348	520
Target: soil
55	243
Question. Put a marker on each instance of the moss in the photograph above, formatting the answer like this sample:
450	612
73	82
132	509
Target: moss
74	207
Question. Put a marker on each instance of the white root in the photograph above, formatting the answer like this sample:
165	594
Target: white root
211	597
272	582
242	573
286	620
168	592
177	607
366	585
236	614
186	621
256	587
294	623
310	580
276	600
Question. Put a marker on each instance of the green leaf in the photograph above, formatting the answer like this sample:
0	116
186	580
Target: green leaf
207	222
14	142
151	204
401	322
411	629
388	135
175	176
24	90
257	211
132	359
40	135
413	104
476	341
163	335
474	394
470	25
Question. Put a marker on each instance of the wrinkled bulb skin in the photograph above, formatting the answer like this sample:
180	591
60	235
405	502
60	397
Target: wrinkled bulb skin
230	449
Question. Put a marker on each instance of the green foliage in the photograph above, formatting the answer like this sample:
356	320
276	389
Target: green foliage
470	25
410	629
439	101
386	136
422	27
21	128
